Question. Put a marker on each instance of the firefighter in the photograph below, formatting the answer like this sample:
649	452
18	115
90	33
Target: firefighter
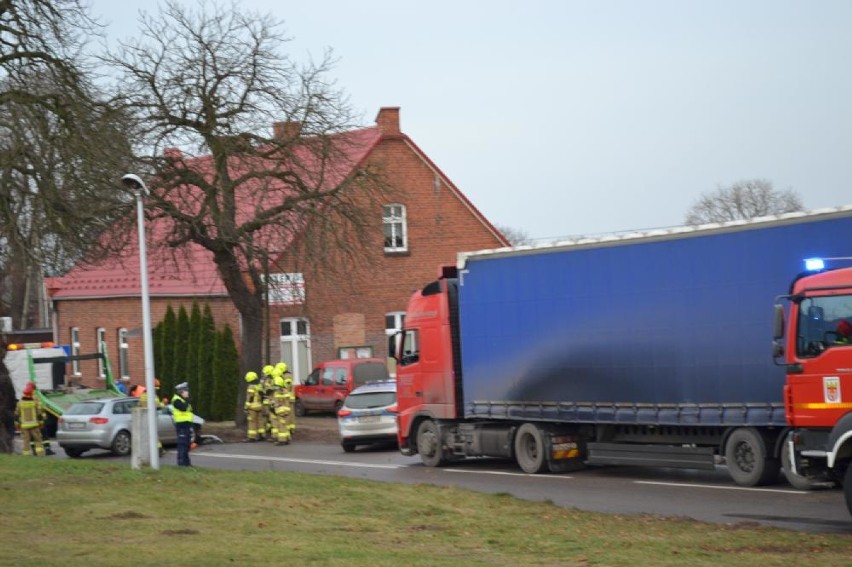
291	399
253	407
29	418
280	410
266	386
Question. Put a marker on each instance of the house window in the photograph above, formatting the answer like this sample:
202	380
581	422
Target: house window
75	350
123	360
295	343
100	340
286	289
396	233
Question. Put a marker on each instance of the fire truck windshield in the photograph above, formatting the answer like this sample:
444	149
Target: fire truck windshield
824	322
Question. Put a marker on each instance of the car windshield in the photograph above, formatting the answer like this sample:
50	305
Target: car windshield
371	400
85	408
367	371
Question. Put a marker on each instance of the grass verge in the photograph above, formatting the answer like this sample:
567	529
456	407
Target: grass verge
66	512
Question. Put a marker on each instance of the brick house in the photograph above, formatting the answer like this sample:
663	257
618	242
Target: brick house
425	223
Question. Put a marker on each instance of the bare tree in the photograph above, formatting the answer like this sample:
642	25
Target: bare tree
211	82
56	144
743	200
516	236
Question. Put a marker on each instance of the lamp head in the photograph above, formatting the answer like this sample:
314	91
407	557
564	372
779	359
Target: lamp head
134	183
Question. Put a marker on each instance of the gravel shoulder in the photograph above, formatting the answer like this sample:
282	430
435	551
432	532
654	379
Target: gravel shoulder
314	428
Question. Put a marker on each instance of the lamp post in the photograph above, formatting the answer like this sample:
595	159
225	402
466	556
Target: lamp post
135	183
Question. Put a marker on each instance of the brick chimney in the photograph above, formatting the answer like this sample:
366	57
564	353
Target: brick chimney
388	120
286	130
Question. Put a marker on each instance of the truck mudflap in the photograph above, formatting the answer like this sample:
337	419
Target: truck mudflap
566	453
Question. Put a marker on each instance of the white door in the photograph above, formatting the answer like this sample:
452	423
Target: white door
296	347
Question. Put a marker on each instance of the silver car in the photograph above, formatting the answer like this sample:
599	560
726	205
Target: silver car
106	423
368	415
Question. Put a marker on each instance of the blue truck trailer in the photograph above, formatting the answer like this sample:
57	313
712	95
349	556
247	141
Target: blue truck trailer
648	348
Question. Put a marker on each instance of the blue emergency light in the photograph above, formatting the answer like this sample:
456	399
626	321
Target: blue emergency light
814	264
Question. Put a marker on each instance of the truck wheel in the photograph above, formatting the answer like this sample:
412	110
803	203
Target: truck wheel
797	481
747	459
529	449
299	410
847	487
429	444
121	443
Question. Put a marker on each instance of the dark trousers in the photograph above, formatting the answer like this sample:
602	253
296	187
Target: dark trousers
184	438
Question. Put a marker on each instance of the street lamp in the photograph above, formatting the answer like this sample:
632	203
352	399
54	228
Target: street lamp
135	184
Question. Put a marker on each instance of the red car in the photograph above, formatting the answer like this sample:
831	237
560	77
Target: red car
330	382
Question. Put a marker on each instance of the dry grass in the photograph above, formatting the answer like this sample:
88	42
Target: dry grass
67	512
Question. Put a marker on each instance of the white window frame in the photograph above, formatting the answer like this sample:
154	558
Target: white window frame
286	288
295	343
75	351
395	227
100	341
123	354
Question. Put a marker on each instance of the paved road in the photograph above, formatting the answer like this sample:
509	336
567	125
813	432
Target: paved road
701	495
708	496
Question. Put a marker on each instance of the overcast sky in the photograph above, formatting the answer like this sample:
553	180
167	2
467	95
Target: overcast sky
560	118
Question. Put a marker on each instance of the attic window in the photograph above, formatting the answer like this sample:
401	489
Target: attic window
396	232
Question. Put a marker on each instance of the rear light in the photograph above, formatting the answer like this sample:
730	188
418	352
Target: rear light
392	409
99	420
344	412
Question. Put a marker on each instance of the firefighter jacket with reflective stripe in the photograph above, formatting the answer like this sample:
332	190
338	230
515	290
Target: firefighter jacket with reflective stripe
254	397
181	410
29	414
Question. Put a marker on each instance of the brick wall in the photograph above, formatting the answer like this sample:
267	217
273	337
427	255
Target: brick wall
348	311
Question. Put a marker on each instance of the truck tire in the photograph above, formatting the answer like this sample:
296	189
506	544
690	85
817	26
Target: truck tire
121	443
847	487
748	461
530	452
429	444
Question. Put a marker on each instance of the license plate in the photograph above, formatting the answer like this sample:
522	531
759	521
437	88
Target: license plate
75	425
368	419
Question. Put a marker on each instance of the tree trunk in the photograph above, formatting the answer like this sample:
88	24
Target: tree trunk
7	409
251	349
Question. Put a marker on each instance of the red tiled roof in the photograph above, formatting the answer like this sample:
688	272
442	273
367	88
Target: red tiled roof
192	270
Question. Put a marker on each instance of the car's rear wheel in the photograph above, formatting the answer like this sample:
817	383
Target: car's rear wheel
348	447
74	453
121	443
299	409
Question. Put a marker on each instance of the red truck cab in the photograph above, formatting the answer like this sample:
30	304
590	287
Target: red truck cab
817	353
428	361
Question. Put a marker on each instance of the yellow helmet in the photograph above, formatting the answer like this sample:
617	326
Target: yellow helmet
251	376
288	382
281	367
279	381
267	370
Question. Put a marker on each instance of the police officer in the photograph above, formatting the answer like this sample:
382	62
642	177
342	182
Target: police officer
29	418
182	413
253	407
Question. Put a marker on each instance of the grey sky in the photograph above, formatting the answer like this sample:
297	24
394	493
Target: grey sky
560	118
